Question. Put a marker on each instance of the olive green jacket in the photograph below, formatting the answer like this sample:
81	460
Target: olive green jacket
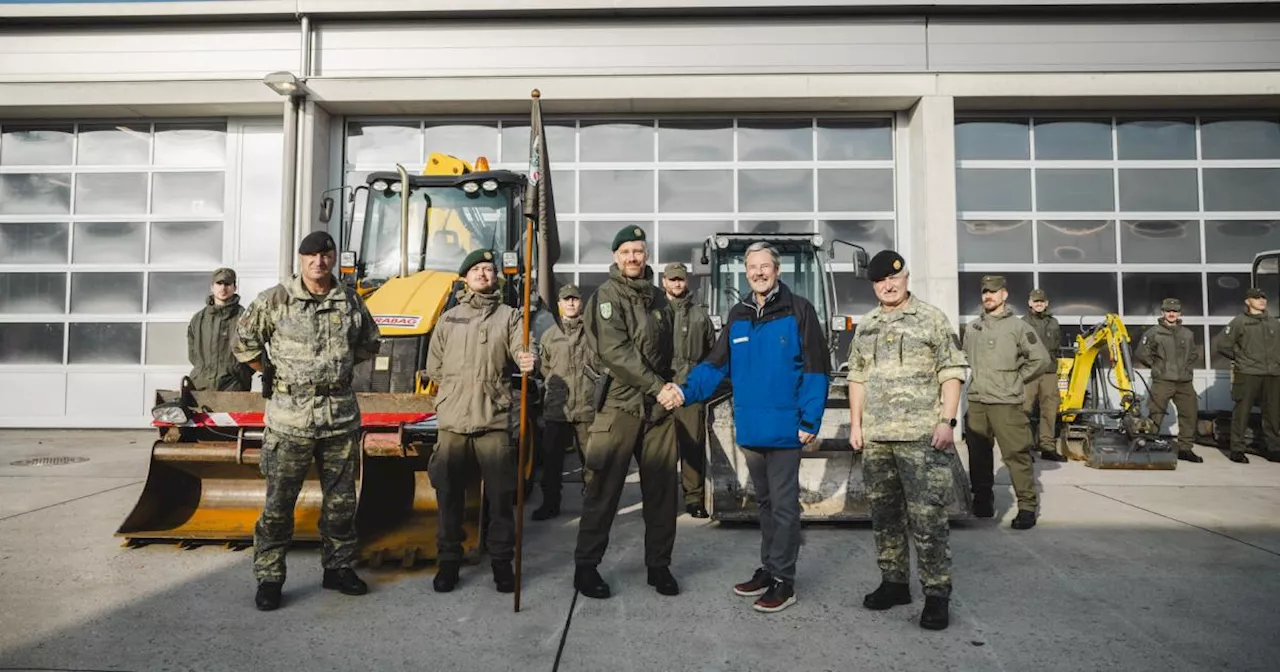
1047	328
469	356
1252	343
564	359
693	335
628	325
209	339
1005	354
1170	351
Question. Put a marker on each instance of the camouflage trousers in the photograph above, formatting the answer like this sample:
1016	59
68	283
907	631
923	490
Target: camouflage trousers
285	462
910	484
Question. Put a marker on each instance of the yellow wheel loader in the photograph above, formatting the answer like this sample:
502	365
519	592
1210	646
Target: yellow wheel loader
204	484
831	484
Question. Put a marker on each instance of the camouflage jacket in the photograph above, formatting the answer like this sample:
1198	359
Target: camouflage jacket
469	356
311	341
1252	343
1170	351
564	367
692	333
901	358
209	337
628	325
1005	355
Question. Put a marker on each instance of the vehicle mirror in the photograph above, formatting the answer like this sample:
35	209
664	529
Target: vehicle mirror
326	209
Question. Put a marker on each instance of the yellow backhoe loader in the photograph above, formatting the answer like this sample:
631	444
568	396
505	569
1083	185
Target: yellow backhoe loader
204	486
831	484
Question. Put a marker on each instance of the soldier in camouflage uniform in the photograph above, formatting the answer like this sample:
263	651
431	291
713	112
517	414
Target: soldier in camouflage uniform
693	340
315	331
468	357
905	374
1170	351
568	411
1005	354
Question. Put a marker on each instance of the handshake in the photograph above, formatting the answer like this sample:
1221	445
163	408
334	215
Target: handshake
671	397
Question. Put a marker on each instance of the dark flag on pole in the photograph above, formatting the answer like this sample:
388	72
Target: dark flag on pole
539	205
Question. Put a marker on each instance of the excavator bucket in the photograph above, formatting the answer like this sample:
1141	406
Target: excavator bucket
204	484
831	484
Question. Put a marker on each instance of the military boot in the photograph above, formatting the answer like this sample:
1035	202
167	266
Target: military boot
548	510
587	580
983	508
446	576
663	581
503	577
345	580
268	597
1052	456
1189	455
1025	520
1273	455
1237	457
888	595
936	614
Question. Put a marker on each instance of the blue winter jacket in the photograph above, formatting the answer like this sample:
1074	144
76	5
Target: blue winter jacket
776	358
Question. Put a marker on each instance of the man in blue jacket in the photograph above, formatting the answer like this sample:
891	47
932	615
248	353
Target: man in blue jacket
773	350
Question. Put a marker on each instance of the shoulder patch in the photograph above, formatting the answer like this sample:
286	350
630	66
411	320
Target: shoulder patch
1031	338
606	310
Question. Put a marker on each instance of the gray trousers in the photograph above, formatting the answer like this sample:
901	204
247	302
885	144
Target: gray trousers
775	475
455	459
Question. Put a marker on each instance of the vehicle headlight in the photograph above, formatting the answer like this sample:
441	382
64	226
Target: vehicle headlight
471	187
380	185
722	242
489	185
397	187
171	412
817	240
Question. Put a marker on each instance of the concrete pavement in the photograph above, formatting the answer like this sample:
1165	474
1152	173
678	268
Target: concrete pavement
1126	570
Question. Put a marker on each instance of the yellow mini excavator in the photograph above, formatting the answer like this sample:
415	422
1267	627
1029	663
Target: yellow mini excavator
1104	435
204	485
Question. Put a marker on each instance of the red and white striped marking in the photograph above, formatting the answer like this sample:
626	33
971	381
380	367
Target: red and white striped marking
258	420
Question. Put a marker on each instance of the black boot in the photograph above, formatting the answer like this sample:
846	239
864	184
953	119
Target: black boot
936	614
344	579
1025	520
1052	456
1237	457
446	576
661	579
888	595
547	511
1273	455
696	510
1189	455
268	597
983	508
503	577
587	580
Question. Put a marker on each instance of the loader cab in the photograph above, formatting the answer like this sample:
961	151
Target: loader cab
1266	274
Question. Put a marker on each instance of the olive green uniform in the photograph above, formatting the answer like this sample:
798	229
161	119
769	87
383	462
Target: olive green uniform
210	336
1005	355
1042	392
694	337
314	342
1170	351
1252	343
628	325
568	412
468	358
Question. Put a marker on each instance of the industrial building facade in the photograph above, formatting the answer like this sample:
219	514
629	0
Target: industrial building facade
1110	153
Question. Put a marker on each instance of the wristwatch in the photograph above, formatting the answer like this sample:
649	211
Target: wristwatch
947	421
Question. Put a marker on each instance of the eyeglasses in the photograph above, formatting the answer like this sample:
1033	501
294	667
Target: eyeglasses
225	282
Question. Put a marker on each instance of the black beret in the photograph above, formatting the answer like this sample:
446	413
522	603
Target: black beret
885	264
628	234
476	257
316	242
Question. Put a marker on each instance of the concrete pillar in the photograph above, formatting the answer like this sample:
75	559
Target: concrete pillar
929	224
313	172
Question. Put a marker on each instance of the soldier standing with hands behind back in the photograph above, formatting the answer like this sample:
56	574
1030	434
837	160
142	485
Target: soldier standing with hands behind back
1169	350
1252	343
567	409
1005	354
315	330
210	336
693	340
1043	391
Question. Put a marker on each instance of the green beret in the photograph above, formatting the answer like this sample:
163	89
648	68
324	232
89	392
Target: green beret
476	257
629	234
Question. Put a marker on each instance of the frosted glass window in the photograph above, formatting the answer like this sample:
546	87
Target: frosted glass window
677	241
855	189
167	343
1019	285
186	242
1081	293
993	139
695	140
188	194
104	293
564	190
1158	190
31	343
561	142
465	141
33	243
1160	241
616	190
114	144
176	292
42	293
36	145
191	145
1240	138
873	235
775	190
855	139
1151	140
1236	241
994	241
1084	139
760	140
993	190
775	226
1075	190
1076	242
35	194
617	141
695	191
111	193
1241	189
384	143
1226	293
1143	293
855	297
596	239
568	242
104	343
108	242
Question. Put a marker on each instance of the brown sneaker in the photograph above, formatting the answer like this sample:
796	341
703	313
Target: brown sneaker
759	583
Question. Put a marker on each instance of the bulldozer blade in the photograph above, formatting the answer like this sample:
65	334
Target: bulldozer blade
831	484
